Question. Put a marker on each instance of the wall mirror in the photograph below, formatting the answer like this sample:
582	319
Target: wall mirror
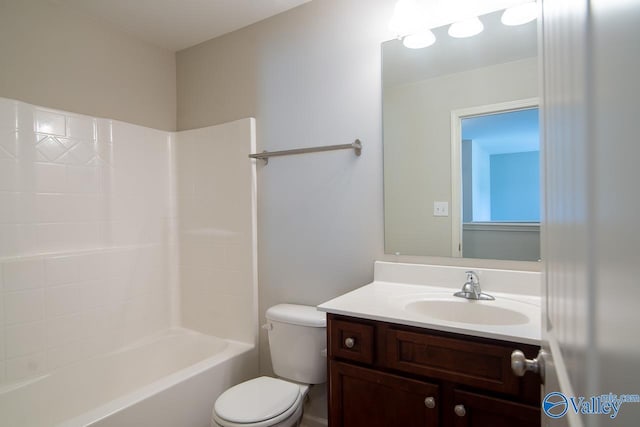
461	149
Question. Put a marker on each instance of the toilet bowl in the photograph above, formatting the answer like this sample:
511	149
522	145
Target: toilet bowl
261	402
297	342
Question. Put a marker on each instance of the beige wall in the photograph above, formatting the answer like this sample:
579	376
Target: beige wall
417	152
218	79
54	57
310	76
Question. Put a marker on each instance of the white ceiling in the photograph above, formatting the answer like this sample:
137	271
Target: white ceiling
178	24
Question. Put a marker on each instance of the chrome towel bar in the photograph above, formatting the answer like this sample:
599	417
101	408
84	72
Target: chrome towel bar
356	146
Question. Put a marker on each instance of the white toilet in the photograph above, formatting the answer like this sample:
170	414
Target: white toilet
297	340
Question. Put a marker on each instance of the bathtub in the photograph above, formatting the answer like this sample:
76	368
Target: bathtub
171	379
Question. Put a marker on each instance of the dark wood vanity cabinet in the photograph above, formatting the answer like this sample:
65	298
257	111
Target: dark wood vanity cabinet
388	375
369	398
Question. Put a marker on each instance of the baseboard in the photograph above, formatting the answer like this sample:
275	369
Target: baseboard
311	421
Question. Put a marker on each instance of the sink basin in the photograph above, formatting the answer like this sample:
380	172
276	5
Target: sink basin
465	311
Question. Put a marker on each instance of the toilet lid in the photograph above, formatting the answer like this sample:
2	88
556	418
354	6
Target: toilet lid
256	400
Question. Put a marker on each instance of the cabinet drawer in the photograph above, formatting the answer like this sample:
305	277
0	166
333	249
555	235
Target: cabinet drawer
351	340
485	366
472	409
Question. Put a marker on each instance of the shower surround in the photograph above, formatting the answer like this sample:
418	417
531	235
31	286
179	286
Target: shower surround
112	232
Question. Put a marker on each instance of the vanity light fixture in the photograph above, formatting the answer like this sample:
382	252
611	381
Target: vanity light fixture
520	14
408	24
419	40
467	28
406	19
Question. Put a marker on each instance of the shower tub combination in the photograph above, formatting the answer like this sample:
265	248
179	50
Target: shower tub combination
127	255
167	380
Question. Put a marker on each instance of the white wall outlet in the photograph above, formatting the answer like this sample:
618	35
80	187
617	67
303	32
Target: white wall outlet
440	208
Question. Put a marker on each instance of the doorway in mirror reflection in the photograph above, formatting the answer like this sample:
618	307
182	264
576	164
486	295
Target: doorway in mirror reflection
500	172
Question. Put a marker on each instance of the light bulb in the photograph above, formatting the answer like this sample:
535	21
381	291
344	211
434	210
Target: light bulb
419	40
407	18
520	14
466	28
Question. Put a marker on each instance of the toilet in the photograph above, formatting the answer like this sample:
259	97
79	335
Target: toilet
297	342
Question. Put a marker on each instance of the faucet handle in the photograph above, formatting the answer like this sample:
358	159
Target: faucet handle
472	276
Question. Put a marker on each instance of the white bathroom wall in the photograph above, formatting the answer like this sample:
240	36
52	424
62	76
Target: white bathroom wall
216	187
85	214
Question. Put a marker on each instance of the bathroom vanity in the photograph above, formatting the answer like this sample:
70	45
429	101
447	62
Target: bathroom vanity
395	359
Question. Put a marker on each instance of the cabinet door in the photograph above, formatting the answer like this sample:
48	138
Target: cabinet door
476	410
360	397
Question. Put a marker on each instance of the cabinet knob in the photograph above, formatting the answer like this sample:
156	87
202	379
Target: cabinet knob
460	410
430	402
349	342
520	364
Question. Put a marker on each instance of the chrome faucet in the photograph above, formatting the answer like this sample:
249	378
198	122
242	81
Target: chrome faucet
471	289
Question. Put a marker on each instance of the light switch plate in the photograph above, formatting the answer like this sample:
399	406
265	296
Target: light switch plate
440	208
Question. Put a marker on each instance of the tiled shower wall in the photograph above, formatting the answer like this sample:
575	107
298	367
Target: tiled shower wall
216	188
87	252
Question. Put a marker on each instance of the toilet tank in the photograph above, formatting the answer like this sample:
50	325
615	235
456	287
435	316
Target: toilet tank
298	342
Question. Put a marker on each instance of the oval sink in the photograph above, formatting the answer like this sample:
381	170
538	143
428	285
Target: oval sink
464	311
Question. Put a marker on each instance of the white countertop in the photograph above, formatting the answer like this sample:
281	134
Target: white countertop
386	301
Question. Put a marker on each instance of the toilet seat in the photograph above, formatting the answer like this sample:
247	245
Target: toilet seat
259	402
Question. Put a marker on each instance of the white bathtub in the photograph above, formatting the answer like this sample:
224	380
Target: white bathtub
171	379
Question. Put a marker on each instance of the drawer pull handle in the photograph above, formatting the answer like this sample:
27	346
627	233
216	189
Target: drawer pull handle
460	410
430	402
349	342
